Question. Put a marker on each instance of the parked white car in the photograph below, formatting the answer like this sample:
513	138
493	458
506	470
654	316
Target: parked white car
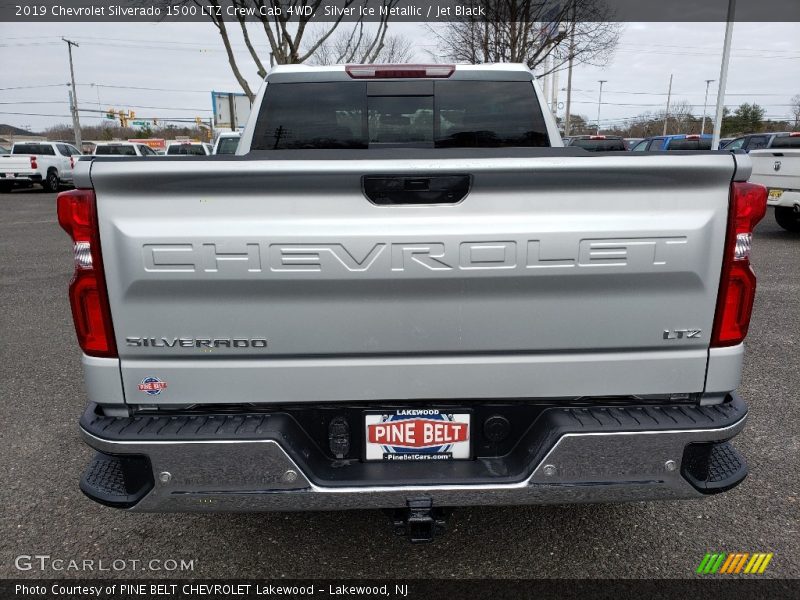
189	149
778	169
227	142
49	164
123	149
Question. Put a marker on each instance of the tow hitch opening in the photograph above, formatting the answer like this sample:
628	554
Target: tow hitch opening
419	521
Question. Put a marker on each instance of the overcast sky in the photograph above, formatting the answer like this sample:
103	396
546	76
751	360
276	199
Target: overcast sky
187	61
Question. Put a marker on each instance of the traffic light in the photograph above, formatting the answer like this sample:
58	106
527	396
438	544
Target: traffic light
123	118
131	115
110	114
198	120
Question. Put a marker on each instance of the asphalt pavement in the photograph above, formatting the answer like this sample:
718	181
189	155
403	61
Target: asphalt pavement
44	513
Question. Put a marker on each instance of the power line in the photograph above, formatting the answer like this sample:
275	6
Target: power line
31	87
147	89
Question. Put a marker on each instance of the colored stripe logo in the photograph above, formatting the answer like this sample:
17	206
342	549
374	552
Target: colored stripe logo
734	563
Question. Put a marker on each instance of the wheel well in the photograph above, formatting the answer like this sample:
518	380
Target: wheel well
52	170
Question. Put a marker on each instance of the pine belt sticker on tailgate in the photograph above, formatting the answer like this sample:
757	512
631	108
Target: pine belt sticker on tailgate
417	434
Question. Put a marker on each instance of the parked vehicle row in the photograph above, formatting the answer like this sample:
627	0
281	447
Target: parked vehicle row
51	164
752	141
616	143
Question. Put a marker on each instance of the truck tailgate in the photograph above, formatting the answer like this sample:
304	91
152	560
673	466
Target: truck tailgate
778	168
15	163
556	275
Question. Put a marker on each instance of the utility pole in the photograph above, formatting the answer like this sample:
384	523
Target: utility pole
76	123
599	102
546	79
723	73
705	106
569	75
669	97
554	92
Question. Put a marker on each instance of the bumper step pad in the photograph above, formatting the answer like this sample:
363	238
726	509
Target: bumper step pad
713	468
117	481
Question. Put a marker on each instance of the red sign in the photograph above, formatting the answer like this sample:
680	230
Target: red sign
150	386
154	143
417	433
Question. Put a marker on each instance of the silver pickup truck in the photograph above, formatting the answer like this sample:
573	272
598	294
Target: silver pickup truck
403	294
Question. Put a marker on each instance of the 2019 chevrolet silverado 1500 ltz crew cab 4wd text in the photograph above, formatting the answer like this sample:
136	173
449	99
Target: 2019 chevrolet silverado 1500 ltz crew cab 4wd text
403	293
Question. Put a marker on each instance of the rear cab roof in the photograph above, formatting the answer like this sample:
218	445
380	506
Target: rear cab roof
487	72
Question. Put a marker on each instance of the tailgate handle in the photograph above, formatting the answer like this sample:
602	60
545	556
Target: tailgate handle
386	190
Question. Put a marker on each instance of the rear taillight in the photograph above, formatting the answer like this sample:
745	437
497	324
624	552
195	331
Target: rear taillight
737	286
399	71
693	136
71	162
77	215
34	164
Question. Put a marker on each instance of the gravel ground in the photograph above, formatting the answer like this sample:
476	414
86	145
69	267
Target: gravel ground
45	513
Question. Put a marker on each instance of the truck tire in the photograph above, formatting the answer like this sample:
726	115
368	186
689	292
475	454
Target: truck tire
51	182
788	218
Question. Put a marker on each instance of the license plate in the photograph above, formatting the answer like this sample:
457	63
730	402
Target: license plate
775	194
417	435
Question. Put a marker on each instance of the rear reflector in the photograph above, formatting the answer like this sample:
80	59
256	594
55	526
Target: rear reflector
77	215
737	286
399	71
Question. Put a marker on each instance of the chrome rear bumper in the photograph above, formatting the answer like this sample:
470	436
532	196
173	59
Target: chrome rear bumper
260	475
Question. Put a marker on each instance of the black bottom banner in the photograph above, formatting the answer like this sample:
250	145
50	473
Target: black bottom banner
422	589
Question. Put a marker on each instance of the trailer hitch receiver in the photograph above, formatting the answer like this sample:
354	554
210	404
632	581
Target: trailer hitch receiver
420	522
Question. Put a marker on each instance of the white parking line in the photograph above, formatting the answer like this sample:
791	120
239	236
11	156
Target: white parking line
29	222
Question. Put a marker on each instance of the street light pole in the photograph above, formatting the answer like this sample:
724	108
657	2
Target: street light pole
705	106
599	102
567	114
76	123
723	73
669	97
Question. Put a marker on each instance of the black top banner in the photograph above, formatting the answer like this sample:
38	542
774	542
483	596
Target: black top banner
432	11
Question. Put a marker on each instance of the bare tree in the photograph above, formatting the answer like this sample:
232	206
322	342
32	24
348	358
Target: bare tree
795	110
288	34
344	49
680	118
528	31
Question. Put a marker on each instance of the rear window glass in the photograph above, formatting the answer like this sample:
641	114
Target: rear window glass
227	145
187	149
115	151
45	149
417	113
786	141
599	145
684	144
